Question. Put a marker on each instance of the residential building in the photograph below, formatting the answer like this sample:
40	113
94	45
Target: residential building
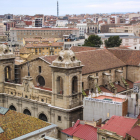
19	126
116	128
61	23
128	39
2	29
45	48
38	22
104	106
126	29
17	34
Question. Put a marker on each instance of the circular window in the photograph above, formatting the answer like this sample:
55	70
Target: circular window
41	81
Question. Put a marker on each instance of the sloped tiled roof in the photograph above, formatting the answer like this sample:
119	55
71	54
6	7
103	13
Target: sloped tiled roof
119	88
130	84
16	124
129	57
135	132
24	50
97	60
85	131
120	125
80	48
94	60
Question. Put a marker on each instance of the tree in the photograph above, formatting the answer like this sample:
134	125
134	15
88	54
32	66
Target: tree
93	41
113	41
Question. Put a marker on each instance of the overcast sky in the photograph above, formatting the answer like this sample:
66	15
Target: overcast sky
49	7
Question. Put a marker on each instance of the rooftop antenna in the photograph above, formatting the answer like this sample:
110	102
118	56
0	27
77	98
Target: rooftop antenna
57	9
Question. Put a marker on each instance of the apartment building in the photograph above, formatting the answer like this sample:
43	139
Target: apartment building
128	39
2	29
45	48
17	34
126	29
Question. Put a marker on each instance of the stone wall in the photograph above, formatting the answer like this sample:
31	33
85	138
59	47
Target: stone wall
46	72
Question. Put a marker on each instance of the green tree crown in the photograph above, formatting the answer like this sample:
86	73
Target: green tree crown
113	41
93	41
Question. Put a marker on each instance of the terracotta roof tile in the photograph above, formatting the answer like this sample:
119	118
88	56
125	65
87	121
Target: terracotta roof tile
135	132
129	57
119	88
24	50
129	83
103	89
17	124
94	60
81	48
120	125
85	131
97	60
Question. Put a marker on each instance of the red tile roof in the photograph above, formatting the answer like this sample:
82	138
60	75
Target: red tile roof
45	29
85	131
129	57
94	60
97	60
104	89
120	125
80	48
129	83
119	88
135	132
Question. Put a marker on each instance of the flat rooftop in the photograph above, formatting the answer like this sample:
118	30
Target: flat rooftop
109	98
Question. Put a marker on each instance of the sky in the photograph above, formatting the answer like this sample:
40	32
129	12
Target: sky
49	7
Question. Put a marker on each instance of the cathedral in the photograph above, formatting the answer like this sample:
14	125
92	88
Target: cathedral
51	87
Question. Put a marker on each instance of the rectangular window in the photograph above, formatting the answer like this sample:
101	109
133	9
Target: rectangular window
40	50
103	138
59	118
39	69
96	74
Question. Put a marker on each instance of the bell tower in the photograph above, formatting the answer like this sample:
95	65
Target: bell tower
7	60
66	80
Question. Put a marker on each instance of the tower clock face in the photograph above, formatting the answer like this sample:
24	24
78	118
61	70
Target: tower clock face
136	89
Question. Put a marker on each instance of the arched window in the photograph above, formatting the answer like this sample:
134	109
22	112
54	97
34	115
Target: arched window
59	85
40	80
12	108
27	112
43	117
74	85
7	73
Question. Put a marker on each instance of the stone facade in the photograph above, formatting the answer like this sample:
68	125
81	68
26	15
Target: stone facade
60	109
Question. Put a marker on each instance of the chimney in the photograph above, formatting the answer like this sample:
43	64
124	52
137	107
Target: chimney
73	123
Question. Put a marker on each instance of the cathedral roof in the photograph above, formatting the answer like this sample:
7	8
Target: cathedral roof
16	124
